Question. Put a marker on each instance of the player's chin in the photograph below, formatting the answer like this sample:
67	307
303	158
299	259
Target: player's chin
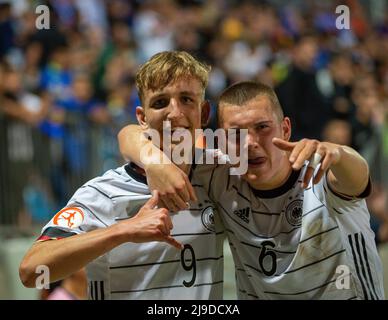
256	172
250	174
257	168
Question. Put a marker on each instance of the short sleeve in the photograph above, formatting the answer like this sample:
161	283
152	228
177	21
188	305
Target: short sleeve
87	210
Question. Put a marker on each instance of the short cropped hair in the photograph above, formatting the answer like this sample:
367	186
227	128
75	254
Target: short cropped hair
166	67
240	93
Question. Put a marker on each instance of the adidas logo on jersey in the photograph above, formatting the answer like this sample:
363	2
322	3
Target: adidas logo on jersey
243	214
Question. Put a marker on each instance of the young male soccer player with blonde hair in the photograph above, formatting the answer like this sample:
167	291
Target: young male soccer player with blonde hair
131	248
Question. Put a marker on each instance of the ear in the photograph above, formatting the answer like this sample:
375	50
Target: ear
141	118
205	113
286	128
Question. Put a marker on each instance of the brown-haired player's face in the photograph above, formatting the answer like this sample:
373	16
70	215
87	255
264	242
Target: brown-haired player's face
262	123
181	103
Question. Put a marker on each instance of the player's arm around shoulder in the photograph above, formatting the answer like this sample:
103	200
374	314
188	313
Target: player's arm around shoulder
172	183
65	256
175	187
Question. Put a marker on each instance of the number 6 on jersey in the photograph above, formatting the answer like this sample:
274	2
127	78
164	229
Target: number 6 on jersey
265	252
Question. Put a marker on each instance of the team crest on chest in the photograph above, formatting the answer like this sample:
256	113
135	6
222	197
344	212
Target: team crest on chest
294	212
207	217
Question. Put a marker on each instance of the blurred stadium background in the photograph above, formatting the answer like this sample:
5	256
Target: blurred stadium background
66	91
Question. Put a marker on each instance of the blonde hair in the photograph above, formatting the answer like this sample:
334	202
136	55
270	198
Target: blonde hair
166	67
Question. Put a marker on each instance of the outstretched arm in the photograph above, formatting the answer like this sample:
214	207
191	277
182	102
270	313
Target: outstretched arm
172	183
348	171
65	256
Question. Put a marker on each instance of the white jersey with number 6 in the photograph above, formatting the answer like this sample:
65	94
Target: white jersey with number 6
291	243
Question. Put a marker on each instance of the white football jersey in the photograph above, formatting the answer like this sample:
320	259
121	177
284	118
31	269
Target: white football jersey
153	270
291	243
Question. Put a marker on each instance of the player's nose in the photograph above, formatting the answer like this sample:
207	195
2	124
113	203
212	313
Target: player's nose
252	141
174	110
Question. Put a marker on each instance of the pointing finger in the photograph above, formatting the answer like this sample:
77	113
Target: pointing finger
299	155
180	204
283	144
190	188
170	240
296	152
153	201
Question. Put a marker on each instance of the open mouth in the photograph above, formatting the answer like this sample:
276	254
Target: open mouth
255	162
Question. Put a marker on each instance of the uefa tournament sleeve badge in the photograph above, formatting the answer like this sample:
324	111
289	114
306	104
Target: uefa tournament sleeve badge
70	217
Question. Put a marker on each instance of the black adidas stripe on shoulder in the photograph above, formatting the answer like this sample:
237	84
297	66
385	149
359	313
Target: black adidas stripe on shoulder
96	290
360	259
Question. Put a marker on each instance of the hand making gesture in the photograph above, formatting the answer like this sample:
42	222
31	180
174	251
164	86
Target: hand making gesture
342	161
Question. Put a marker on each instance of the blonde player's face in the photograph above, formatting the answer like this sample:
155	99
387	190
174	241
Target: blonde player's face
266	163
181	103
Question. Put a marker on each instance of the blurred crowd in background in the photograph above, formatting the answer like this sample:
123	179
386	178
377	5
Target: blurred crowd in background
65	92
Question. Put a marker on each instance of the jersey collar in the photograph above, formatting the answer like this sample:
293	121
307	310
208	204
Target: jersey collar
136	173
273	193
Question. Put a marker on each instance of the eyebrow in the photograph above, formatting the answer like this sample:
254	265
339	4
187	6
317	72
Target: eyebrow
255	125
180	92
158	95
189	93
263	122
